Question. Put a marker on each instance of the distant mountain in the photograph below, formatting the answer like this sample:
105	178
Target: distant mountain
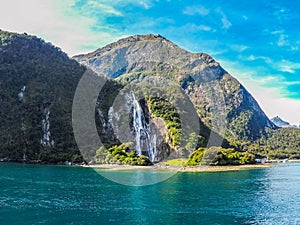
213	91
281	123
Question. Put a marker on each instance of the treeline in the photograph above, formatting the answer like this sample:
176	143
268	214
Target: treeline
121	155
218	156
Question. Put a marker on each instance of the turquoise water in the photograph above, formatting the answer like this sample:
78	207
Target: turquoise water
33	194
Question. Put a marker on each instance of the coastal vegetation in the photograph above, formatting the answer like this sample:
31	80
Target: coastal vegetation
121	155
218	156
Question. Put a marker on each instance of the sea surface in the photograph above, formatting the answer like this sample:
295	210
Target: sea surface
41	194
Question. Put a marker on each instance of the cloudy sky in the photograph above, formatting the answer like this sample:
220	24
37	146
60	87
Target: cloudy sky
256	41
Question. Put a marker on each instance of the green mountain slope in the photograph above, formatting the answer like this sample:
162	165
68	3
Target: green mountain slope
38	82
48	79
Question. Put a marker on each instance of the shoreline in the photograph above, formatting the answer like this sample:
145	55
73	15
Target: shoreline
169	168
112	167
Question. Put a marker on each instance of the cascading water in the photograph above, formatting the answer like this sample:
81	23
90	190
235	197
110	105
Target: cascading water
21	99
21	93
46	128
138	130
145	141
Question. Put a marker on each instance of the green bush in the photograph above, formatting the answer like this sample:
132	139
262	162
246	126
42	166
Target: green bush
219	156
120	154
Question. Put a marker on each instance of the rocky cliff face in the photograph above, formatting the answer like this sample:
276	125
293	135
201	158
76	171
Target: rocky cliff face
222	103
149	52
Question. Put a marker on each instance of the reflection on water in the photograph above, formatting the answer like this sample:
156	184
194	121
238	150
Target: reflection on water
66	195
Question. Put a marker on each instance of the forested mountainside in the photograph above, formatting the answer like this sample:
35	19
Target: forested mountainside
38	82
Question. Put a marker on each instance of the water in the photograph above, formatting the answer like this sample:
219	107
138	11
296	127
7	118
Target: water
130	124
33	194
142	131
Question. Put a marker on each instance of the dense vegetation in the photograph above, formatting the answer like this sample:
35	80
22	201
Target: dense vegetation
277	144
121	155
164	110
50	78
219	156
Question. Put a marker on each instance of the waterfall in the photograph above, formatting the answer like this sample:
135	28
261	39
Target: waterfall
137	129
21	96
46	128
21	93
102	121
145	141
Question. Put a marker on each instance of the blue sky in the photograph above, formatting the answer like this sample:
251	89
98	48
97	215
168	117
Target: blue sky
258	42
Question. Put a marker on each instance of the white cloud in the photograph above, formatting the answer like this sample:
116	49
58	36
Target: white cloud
288	66
146	4
294	48
191	29
225	22
216	53
287	109
271	99
277	32
287	69
238	48
204	28
195	10
95	7
267	60
283	40
282	14
281	66
55	21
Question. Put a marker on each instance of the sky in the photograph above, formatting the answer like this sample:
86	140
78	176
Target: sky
258	41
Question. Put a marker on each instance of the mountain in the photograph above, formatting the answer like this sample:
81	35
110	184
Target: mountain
37	85
221	102
281	123
157	99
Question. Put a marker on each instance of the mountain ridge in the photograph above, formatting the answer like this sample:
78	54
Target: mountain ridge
38	82
197	73
281	123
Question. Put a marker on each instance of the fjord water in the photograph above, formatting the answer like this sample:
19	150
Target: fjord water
34	194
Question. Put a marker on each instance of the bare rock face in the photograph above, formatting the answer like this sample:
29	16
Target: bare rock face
215	94
143	52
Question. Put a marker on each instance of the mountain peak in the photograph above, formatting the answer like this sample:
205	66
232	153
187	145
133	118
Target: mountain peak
281	123
127	41
137	38
142	37
142	52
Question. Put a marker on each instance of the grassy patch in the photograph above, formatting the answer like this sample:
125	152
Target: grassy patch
177	162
